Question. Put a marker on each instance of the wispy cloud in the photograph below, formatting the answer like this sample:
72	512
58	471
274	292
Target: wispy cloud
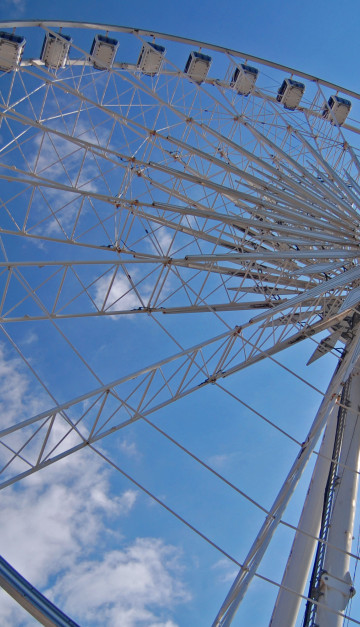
115	294
129	448
14	390
17	6
222	461
226	571
62	161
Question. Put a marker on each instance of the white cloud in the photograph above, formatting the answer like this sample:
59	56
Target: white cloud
61	528
14	388
165	239
54	529
129	448
160	239
57	159
222	461
118	294
226	570
18	5
121	295
61	159
61	509
126	587
30	338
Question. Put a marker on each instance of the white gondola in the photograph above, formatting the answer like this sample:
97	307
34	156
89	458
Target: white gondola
55	50
11	49
290	93
151	58
244	79
197	66
103	52
337	109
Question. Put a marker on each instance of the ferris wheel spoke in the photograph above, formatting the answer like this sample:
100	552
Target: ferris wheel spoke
147	391
329	171
191	179
340	280
296	167
101	301
240	196
302	201
315	237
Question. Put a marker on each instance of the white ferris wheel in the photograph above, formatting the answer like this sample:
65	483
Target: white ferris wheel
180	232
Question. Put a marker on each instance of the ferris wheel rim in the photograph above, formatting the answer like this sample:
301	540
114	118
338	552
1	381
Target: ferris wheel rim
177	38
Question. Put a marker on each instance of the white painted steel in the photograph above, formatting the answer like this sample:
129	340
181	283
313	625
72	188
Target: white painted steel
45	612
156	197
337	586
296	574
249	566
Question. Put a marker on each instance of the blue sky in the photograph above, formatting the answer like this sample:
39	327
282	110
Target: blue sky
316	37
90	527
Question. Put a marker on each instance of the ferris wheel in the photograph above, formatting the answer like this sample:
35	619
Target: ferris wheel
179	266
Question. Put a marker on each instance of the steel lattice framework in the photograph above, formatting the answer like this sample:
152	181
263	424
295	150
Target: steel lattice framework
218	229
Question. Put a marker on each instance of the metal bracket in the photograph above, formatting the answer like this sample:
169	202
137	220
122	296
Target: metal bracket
344	586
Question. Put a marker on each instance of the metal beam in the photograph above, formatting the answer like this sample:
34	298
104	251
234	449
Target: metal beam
31	599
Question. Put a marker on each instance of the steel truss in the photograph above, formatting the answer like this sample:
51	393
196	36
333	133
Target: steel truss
146	200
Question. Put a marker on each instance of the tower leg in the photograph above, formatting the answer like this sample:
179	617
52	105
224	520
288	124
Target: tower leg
336	586
298	566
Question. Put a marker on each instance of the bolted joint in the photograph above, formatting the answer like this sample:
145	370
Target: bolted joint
343	586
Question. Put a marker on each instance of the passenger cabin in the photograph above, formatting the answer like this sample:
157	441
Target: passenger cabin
290	93
55	50
103	52
336	110
151	58
244	79
197	66
11	49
